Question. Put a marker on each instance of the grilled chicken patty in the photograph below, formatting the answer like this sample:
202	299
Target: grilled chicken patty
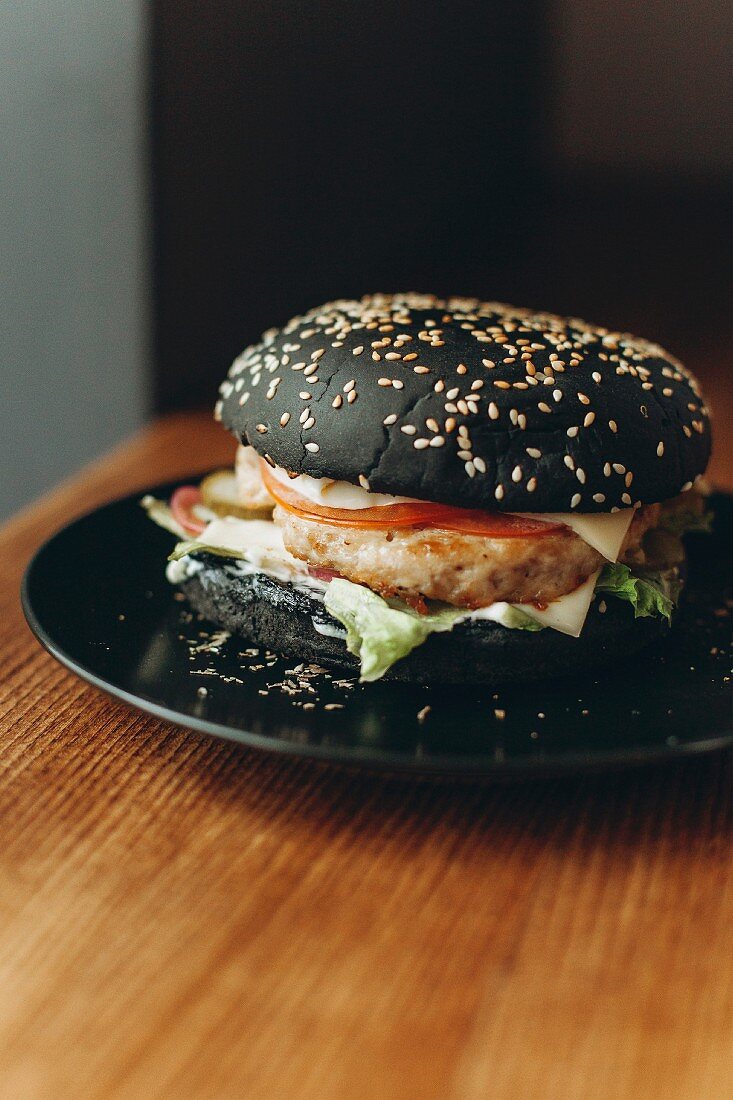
465	570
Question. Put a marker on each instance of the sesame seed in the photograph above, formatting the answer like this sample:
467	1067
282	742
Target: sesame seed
488	363
619	468
359	350
533	452
613	426
376	357
304	416
337	401
517	474
628	479
502	385
596	376
284	419
480	465
576	500
391	419
453	394
572	432
363	482
450	424
583	399
557	394
660	450
464	455
393	355
569	462
432	424
470	469
312	447
398	385
351	397
461	368
625	498
261	428
607	469
349	386
531	484
421	370
599	498
580	474
384	381
499	492
309	423
437	441
304	395
421	444
493	411
589	419
409	357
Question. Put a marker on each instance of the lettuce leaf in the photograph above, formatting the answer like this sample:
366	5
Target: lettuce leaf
193	546
380	634
654	594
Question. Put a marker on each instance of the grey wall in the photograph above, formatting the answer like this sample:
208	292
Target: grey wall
73	265
644	86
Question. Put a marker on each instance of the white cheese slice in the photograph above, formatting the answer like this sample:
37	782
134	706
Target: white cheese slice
262	543
568	614
605	532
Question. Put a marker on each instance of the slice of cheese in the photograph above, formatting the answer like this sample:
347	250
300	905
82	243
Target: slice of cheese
568	614
605	532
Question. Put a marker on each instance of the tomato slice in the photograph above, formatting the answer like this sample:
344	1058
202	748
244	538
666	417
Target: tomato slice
418	514
182	504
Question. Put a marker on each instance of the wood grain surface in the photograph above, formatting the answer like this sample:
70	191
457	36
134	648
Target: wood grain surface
182	917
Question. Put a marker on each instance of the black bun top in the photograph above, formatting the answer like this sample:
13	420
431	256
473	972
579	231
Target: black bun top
470	403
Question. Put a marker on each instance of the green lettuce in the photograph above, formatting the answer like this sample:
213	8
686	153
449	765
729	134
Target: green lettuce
193	546
380	634
654	594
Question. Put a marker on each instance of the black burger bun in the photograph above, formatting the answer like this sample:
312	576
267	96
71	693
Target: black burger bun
282	618
471	403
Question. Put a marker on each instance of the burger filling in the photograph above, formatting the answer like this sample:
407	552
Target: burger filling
392	570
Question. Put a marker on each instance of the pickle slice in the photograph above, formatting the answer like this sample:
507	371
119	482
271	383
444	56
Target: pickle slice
220	494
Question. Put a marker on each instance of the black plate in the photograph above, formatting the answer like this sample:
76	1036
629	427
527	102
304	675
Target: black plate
96	597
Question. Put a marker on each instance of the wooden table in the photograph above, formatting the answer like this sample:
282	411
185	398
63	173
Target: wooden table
182	917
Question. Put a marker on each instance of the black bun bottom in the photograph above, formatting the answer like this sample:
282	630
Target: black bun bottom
281	617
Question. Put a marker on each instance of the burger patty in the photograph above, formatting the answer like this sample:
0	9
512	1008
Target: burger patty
465	570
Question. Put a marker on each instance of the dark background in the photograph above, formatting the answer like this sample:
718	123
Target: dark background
569	156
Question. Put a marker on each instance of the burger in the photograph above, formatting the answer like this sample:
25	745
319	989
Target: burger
447	490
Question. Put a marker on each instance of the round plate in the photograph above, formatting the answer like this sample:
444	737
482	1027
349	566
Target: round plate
97	598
